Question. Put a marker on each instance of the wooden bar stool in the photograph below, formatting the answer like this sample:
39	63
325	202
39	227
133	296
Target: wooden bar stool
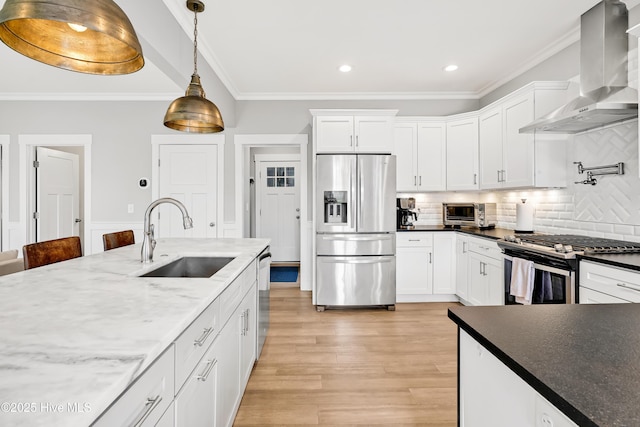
117	239
51	251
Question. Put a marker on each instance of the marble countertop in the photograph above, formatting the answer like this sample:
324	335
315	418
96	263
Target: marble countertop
80	331
584	359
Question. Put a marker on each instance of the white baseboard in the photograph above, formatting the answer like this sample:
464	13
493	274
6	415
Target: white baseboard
426	298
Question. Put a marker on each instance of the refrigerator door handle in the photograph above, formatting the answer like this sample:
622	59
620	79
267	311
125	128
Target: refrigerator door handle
359	192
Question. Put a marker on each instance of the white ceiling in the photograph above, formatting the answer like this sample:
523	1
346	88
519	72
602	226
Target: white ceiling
291	49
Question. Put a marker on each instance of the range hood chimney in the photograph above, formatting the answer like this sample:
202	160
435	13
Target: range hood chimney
605	97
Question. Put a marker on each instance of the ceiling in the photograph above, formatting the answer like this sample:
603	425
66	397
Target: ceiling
291	49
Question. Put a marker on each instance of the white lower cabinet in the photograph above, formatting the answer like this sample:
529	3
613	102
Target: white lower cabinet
248	335
603	284
484	265
168	417
195	404
462	266
491	394
199	380
238	339
147	399
414	265
229	376
425	266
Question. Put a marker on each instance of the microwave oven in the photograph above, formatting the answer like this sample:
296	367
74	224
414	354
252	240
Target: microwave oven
480	215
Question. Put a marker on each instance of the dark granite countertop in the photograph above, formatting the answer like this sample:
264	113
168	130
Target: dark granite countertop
630	261
584	359
492	233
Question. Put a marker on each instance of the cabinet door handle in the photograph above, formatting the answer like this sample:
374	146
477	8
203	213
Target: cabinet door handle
205	334
430	258
504	174
207	370
150	405
464	247
415	180
626	286
475	178
244	324
357	140
246	328
420	179
499	180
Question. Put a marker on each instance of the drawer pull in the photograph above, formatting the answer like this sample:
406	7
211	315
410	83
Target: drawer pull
624	285
150	404
414	240
205	334
203	376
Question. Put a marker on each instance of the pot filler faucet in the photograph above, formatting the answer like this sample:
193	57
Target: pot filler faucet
149	242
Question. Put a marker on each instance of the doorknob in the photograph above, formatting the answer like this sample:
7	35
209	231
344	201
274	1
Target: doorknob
297	216
78	220
297	209
212	224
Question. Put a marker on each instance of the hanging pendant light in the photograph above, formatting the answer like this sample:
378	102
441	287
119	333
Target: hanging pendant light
88	36
194	112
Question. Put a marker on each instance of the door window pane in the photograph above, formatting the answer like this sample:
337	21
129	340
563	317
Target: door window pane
271	171
271	182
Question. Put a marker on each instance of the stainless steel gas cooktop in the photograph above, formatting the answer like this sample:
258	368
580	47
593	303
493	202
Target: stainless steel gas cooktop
566	245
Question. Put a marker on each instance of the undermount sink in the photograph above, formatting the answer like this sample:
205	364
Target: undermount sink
190	267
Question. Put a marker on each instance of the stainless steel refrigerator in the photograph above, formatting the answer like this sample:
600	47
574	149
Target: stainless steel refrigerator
355	230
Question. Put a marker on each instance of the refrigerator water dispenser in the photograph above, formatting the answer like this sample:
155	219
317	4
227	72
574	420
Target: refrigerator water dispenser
335	207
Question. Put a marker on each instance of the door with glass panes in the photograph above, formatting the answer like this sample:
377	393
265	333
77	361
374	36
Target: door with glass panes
278	207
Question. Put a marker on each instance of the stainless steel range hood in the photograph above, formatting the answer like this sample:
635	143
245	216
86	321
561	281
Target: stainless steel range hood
604	97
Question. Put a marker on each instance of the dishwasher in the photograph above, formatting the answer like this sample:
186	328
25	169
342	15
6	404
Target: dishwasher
264	285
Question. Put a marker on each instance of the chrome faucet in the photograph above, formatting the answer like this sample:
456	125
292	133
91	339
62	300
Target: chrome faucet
149	241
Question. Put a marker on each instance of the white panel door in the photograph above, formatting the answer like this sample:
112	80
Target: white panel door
57	194
278	208
188	173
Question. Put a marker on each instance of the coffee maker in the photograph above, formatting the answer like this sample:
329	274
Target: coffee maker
405	213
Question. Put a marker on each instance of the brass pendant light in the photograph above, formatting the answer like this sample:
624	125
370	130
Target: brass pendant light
194	112
88	36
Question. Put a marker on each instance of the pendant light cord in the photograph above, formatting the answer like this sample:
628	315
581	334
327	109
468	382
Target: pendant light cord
195	39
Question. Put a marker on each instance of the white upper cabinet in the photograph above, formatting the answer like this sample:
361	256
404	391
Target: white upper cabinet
420	148
510	159
462	154
353	131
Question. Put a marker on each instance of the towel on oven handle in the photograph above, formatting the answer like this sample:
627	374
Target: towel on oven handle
522	278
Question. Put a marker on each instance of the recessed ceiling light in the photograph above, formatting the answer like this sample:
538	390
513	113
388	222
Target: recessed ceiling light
451	67
345	68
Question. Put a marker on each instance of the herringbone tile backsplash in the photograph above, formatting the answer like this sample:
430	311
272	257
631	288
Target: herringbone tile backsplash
609	209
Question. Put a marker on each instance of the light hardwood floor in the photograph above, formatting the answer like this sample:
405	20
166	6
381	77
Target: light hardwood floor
353	367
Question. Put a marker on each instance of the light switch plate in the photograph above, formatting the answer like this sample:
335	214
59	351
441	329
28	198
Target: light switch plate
130	208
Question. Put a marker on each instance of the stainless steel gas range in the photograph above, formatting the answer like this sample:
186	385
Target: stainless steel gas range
554	261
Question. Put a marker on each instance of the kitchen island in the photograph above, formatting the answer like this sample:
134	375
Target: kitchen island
582	359
77	334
